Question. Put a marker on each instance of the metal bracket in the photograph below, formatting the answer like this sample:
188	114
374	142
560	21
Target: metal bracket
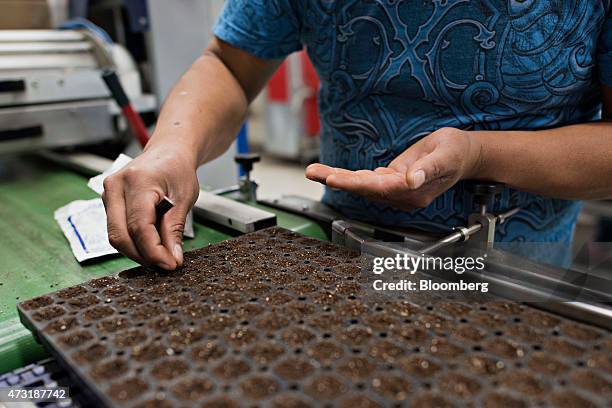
486	234
248	189
232	214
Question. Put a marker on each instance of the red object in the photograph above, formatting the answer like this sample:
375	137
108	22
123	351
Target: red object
312	124
278	86
136	124
134	120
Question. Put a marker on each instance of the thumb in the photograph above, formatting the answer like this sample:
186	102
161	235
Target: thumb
427	169
172	226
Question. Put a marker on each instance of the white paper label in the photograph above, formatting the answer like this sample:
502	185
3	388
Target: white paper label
83	222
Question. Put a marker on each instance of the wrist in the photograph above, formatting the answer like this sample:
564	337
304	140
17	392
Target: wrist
173	151
476	157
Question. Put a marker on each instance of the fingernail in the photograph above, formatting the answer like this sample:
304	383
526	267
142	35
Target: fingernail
178	253
418	178
165	266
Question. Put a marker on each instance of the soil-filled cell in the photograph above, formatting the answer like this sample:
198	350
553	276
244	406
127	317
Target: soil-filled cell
294	368
127	390
169	369
83	302
151	351
48	313
207	352
129	338
356	367
326	387
569	399
92	353
266	351
496	399
297	336
192	389
359	400
231	368
393	387
110	369
113	324
98	312
37	303
71	292
76	338
103	282
259	387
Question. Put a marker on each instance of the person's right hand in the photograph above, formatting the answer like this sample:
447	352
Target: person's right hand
131	195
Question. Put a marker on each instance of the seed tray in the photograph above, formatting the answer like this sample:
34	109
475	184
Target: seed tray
277	319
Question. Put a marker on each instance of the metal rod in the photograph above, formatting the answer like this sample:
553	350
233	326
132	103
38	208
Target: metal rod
501	218
483	210
462	234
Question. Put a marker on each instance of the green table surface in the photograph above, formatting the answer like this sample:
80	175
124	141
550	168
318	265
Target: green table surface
35	258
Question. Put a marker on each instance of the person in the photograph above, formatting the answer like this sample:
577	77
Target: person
415	98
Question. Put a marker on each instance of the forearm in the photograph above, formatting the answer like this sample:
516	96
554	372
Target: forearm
203	112
207	106
572	162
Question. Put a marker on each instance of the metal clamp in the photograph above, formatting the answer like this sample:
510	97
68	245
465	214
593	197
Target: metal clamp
247	187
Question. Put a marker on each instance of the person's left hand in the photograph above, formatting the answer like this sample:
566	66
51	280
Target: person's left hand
416	177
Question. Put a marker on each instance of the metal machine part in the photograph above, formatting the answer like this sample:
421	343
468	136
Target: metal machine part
326	215
34	127
247	187
275	318
481	226
483	194
232	214
51	91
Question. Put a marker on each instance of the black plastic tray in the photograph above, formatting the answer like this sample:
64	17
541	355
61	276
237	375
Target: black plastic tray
274	318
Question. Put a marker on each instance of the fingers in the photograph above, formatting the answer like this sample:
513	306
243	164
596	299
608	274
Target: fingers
415	152
380	185
376	185
118	235
320	172
172	226
141	225
435	165
385	170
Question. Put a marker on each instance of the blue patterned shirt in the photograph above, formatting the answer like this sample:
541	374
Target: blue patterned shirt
392	72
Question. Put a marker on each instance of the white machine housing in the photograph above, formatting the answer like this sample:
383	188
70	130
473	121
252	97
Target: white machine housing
51	91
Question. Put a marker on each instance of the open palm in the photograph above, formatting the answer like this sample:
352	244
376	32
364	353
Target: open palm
416	177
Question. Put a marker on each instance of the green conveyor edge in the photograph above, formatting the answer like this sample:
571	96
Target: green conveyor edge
35	258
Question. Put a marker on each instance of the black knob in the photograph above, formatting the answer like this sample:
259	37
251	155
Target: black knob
484	191
246	161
